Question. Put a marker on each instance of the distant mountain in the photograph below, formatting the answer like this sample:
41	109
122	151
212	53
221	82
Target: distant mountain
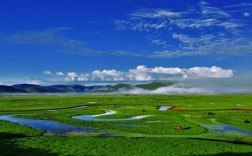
24	86
9	89
30	88
72	88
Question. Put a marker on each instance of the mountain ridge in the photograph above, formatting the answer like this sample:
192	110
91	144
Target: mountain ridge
31	88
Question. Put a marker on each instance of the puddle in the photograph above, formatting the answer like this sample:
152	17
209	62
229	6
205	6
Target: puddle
164	108
46	125
227	128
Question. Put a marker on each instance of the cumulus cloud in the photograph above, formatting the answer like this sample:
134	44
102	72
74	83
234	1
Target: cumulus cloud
50	73
162	73
143	73
108	75
59	73
72	76
214	72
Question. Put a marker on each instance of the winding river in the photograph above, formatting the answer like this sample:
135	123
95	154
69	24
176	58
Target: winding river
108	112
56	128
46	125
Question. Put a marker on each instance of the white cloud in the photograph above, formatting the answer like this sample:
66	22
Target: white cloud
155	13
239	84
212	12
47	72
207	45
59	73
246	14
107	75
207	17
239	5
214	72
160	43
162	73
143	73
216	31
72	76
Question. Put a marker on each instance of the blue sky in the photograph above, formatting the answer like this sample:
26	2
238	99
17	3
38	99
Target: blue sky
82	40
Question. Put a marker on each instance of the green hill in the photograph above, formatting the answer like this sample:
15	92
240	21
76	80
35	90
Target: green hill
155	85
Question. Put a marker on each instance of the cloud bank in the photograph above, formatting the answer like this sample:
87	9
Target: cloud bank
143	73
169	90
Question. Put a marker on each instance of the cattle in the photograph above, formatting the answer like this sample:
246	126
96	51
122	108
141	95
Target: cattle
246	121
179	127
210	113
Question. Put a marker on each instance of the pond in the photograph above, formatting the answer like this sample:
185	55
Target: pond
224	128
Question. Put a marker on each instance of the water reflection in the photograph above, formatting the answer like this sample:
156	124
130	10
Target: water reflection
46	125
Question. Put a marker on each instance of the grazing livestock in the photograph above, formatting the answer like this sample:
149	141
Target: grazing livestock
179	127
246	121
210	113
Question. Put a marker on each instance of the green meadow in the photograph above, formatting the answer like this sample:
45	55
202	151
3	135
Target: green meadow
211	125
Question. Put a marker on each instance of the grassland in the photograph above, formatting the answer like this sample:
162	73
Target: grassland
154	135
